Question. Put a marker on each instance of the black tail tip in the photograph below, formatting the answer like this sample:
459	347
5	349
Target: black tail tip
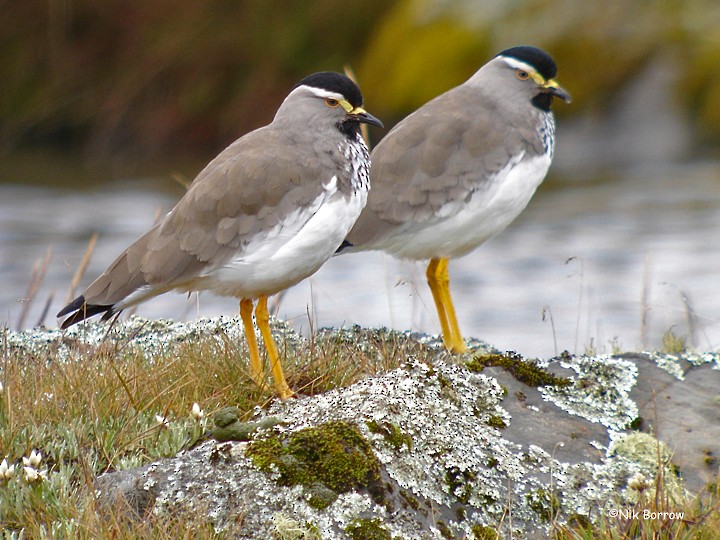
80	311
72	306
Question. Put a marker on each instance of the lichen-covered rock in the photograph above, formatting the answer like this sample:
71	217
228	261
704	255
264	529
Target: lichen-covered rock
441	447
434	449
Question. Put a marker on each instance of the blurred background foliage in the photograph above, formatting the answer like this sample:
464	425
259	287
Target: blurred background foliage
171	78
163	76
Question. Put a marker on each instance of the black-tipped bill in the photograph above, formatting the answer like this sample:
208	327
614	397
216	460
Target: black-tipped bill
365	117
554	89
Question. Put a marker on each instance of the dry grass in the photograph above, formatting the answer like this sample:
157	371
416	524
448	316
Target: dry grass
113	408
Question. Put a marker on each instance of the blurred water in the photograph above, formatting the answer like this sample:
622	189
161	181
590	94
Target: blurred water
617	261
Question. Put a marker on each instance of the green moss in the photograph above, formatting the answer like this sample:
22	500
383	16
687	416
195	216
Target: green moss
525	371
391	433
483	532
320	496
497	422
460	483
488	500
332	457
444	530
544	503
367	529
411	501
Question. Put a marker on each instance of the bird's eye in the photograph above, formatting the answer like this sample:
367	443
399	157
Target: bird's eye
522	74
330	102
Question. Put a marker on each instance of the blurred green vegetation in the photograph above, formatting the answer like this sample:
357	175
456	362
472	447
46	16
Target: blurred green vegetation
172	78
421	47
163	76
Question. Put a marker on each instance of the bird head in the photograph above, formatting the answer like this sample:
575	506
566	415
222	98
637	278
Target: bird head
529	71
328	98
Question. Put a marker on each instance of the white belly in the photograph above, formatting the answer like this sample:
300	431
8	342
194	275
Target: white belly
290	252
460	227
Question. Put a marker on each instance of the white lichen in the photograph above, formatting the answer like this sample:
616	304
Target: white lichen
676	364
601	390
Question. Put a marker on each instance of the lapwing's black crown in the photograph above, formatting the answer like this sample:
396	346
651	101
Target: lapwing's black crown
537	58
334	82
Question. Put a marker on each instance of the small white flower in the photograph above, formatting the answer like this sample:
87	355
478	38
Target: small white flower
6	471
638	482
34	459
33	475
197	412
30	474
164	422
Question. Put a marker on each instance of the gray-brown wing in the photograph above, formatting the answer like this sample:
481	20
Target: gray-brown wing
249	188
438	155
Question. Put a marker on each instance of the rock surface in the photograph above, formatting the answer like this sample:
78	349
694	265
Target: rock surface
457	449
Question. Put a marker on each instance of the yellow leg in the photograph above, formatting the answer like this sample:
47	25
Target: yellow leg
439	282
263	319
256	370
432	279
